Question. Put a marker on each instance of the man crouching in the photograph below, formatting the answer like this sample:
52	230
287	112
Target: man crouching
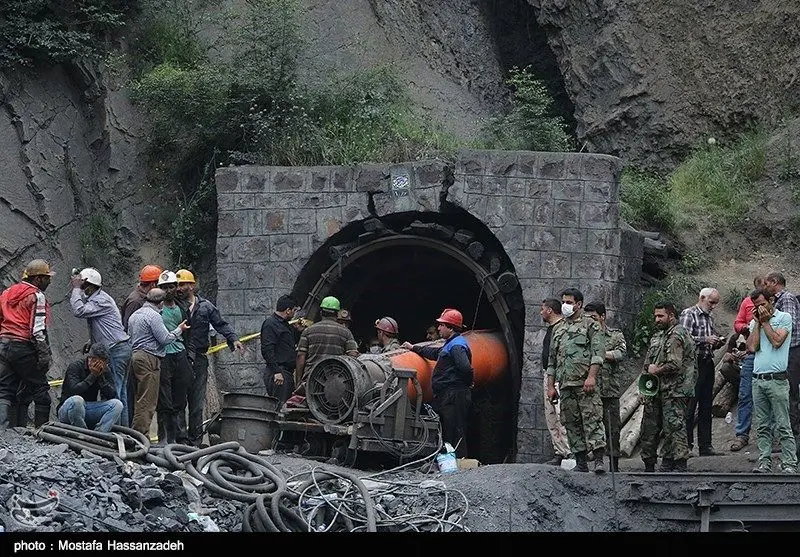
84	380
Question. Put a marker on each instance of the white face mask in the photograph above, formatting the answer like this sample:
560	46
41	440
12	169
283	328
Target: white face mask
567	309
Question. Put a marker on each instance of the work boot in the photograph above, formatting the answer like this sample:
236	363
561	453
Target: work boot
555	461
667	465
18	415
649	464
581	465
41	415
599	464
679	465
5	408
614	467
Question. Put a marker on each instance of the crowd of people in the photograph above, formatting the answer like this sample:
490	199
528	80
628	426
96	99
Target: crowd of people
581	356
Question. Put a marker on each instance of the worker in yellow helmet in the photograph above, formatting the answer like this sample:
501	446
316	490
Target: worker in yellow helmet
202	316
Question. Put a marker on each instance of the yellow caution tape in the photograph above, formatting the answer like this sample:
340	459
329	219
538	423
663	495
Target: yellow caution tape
213	349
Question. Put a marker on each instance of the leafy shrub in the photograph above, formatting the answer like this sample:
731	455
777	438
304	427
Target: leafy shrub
679	290
55	31
645	201
531	123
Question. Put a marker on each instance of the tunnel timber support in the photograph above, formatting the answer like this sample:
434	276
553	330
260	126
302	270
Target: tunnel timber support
549	221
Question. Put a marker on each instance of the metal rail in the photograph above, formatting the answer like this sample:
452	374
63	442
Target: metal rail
713	477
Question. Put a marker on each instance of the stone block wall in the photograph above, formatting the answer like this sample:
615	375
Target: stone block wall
556	214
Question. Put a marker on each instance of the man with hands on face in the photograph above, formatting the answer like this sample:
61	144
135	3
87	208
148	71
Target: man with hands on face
84	380
671	358
769	340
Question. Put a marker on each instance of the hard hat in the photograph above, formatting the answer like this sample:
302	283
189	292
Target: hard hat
149	273
92	276
167	277
648	384
184	275
330	302
451	317
344	315
37	267
387	325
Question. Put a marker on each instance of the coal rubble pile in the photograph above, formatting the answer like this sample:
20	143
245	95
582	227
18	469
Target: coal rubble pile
52	488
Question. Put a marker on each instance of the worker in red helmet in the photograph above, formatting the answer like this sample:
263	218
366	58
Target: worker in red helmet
452	378
386	330
148	279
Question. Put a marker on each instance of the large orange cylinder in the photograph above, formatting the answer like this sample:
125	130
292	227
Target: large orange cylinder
489	360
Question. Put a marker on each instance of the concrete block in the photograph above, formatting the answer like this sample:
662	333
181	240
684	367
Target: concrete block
573	240
528	163
495	185
601	192
260	275
587	265
257	183
371	178
517	187
429	174
551	167
329	222
602	241
542	238
529	440
495	215
266	201
259	301
612	268
302	221
320	179
476	205
342	179
540	189
226	180
503	163
510	236
535	290
567	190
556	264
288	247
527	264
229	223
290	180
231	276
567	213
231	302
275	222
543	213
286	273
601	168
526	416
255	248
519	210
599	215
472	184
471	162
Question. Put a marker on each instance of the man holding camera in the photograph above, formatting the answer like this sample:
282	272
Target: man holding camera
697	320
89	301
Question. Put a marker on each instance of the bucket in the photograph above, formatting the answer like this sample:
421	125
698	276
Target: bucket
247	413
249	400
447	463
254	433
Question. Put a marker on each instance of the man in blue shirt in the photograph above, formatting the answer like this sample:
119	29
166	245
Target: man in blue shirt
770	341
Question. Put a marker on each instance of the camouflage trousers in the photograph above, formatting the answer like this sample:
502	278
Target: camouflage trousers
582	416
611	423
664	417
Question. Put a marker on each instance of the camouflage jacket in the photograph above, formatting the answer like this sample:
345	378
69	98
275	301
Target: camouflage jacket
608	382
575	345
394	344
675	348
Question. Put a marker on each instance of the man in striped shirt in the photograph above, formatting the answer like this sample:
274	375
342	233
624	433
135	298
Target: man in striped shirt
698	322
785	301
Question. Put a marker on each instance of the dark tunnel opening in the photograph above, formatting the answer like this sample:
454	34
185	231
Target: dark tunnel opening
409	266
522	42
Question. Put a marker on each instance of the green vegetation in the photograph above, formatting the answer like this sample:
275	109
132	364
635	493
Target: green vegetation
54	31
97	239
733	298
679	290
531	123
715	184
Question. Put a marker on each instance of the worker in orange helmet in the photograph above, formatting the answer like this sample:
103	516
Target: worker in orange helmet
452	378
148	279
386	331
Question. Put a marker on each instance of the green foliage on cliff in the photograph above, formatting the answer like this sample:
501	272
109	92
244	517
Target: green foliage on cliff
54	31
531	122
239	99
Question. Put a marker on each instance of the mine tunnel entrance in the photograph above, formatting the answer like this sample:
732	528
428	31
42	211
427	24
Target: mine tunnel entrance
410	266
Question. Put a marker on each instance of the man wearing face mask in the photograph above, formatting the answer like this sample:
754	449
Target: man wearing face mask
149	338
697	320
89	301
671	358
577	351
24	346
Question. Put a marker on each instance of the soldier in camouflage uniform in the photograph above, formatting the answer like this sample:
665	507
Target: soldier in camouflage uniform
608	381
576	354
671	357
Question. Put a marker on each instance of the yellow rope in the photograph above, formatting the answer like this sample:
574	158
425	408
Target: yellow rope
213	349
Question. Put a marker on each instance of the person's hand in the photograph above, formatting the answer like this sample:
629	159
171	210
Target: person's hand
96	368
589	385
184	326
407	345
237	345
551	394
278	378
76	281
652	369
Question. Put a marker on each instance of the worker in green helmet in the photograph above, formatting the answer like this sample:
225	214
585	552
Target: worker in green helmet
326	337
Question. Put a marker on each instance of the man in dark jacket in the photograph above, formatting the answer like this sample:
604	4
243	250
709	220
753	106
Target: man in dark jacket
84	380
202	314
277	349
452	378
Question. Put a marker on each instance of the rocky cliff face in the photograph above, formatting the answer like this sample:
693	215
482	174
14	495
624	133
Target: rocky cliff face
648	79
71	187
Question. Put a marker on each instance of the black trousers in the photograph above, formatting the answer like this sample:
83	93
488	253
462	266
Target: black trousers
281	392
21	380
196	401
453	409
172	391
702	400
